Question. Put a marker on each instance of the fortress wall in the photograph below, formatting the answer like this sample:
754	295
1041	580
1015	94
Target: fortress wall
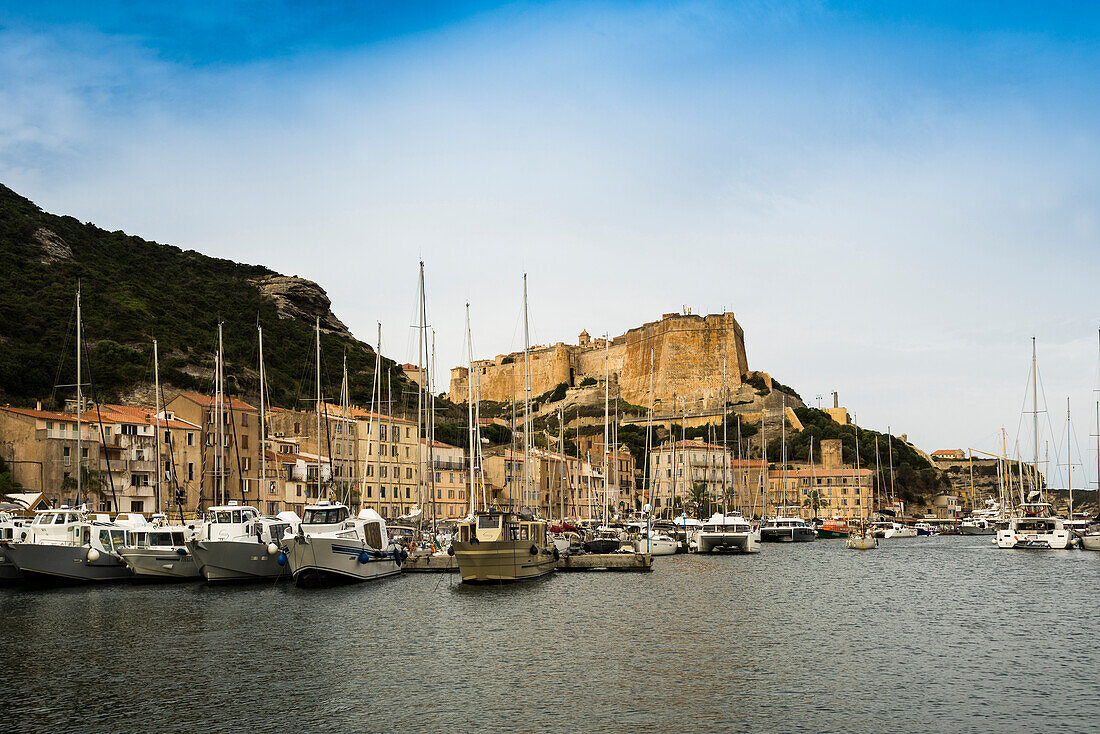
687	363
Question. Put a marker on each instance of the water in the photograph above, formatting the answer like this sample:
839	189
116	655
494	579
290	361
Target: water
923	634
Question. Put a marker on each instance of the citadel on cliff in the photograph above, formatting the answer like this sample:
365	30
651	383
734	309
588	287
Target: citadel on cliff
687	353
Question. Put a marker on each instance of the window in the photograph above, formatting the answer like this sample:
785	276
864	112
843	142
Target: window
137	506
244	441
407	429
382	492
299	490
297	429
246	463
381	433
370	470
382	471
244	420
190	438
135	480
408	472
65	454
450	494
190	471
406	493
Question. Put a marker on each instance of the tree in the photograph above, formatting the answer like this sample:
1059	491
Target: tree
813	501
698	496
93	480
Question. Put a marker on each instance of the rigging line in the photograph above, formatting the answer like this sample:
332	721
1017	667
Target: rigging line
102	437
69	329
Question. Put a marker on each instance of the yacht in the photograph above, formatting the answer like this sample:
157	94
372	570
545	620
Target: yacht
652	540
890	529
10	527
1036	527
606	540
728	533
1078	524
495	546
234	543
684	530
156	550
68	546
1091	540
359	549
984	521
787	529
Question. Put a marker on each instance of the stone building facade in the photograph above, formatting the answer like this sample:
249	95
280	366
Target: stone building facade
688	353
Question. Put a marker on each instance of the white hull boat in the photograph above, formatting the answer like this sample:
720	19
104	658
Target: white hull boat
1036	529
727	533
359	552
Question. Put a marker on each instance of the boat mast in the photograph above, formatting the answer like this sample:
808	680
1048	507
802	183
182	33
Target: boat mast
856	427
606	418
741	470
346	478
649	440
526	394
420	346
79	408
470	402
156	419
783	447
1069	458
890	455
1035	413
877	488
263	416
317	405
430	381
725	442
219	401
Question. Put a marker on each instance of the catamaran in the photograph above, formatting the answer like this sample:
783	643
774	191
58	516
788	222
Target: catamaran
787	528
1036	527
728	533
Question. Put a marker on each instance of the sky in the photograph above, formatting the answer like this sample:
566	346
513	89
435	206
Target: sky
892	199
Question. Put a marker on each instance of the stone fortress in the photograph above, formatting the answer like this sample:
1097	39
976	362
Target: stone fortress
687	357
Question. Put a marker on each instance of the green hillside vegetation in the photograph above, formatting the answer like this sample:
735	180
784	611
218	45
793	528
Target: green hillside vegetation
134	290
914	476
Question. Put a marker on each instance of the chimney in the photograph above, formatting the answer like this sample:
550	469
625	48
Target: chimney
836	399
38	405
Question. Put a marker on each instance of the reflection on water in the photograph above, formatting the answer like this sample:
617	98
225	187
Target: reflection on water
940	634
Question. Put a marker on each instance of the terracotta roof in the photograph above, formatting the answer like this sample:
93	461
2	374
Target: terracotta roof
207	401
940	452
363	415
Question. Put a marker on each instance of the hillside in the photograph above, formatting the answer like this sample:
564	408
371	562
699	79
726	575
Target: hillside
134	291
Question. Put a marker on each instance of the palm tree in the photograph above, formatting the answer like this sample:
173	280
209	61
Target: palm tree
699	496
813	500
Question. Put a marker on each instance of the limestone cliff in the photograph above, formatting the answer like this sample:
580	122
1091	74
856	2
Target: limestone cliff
298	298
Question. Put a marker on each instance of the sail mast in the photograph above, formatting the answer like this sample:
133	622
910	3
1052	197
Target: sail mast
156	420
220	403
606	419
317	405
470	401
526	393
263	414
79	408
1069	458
1035	413
420	392
725	441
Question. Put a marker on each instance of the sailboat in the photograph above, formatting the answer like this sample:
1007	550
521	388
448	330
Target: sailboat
787	526
1035	526
1091	539
66	545
494	545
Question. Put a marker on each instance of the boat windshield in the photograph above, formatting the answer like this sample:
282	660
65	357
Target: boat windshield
326	516
488	522
160	539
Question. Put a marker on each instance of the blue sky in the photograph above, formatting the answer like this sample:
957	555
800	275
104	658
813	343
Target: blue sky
892	199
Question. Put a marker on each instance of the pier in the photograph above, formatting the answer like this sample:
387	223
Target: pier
586	562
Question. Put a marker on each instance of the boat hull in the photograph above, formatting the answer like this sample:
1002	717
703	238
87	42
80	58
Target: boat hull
65	564
657	546
602	545
1057	540
831	534
861	542
491	562
727	543
152	564
902	532
233	560
322	561
787	535
1090	542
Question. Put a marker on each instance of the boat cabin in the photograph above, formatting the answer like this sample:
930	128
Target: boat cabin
324	513
156	538
491	527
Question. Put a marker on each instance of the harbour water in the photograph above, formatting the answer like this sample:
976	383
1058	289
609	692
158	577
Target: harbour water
925	634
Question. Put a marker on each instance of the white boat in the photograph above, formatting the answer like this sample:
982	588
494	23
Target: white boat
156	550
984	521
10	527
67	546
685	530
1036	528
652	540
235	543
1091	541
728	533
861	538
890	529
359	550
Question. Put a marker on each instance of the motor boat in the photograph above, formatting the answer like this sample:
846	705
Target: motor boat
833	528
156	551
787	529
235	543
10	527
651	540
684	530
1036	527
890	529
359	550
728	533
984	521
924	528
495	546
607	540
69	546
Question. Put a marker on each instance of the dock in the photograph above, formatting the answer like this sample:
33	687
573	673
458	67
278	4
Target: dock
607	562
422	563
